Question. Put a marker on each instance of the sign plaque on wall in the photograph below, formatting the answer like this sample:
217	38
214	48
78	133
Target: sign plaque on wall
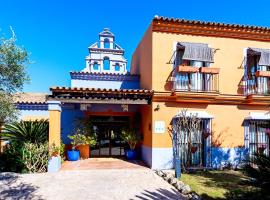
159	127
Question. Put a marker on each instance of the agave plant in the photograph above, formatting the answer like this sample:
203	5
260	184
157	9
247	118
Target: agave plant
26	131
259	172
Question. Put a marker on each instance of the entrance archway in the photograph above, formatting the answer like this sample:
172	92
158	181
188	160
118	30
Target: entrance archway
108	131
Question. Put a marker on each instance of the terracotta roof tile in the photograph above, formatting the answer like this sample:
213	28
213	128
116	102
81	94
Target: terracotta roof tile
171	19
212	29
30	97
100	90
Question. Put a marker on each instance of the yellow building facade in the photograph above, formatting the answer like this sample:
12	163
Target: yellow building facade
226	89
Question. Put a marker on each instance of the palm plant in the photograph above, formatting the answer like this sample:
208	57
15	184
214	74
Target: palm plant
26	131
259	172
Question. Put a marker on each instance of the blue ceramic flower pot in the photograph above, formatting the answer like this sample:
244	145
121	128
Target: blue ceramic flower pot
73	155
130	154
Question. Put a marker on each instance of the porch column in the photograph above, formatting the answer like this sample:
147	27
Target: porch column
54	108
54	122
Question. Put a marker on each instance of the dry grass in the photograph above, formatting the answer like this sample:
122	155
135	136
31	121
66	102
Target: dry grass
216	184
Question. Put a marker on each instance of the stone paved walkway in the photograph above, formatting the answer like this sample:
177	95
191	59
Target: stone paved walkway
102	163
96	184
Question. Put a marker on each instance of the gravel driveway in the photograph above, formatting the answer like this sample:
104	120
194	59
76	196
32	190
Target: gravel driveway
87	184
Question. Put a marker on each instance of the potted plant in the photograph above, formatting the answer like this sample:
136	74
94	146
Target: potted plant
54	151
206	133
73	154
261	147
82	143
193	149
132	138
267	131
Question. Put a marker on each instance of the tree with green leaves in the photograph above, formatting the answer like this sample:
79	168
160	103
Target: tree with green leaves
13	75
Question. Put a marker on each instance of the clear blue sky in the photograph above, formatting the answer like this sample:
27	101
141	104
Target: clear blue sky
58	32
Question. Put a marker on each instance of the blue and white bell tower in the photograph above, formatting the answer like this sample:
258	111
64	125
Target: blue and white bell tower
106	56
106	66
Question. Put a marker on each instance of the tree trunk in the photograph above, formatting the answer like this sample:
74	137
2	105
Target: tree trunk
1	143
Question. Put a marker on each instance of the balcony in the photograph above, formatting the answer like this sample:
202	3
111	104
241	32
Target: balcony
195	79
258	84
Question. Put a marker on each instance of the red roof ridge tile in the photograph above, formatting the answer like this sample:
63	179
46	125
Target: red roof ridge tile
171	19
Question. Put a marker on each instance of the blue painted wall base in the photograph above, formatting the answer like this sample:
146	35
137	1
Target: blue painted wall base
162	158
228	156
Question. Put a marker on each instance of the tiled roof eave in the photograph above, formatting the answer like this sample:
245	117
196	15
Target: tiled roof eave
103	73
193	27
101	90
30	98
100	95
101	100
120	51
31	103
207	23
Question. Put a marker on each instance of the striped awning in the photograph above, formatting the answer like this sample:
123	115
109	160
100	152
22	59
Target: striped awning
258	116
264	55
196	51
198	114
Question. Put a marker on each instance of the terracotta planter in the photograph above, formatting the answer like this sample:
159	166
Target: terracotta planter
193	149
262	73
188	69
209	70
55	154
84	150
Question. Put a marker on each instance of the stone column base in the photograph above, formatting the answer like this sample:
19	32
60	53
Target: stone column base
54	164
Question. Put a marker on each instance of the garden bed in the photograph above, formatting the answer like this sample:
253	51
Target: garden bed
217	184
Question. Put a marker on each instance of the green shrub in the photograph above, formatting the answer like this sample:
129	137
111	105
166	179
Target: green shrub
35	157
11	158
80	139
27	150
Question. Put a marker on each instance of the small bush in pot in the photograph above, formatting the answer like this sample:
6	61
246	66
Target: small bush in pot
55	151
73	154
132	138
82	143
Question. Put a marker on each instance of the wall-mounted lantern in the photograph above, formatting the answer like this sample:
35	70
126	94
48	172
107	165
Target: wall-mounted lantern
157	108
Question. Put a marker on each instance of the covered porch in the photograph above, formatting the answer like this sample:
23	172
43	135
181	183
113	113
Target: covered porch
108	110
